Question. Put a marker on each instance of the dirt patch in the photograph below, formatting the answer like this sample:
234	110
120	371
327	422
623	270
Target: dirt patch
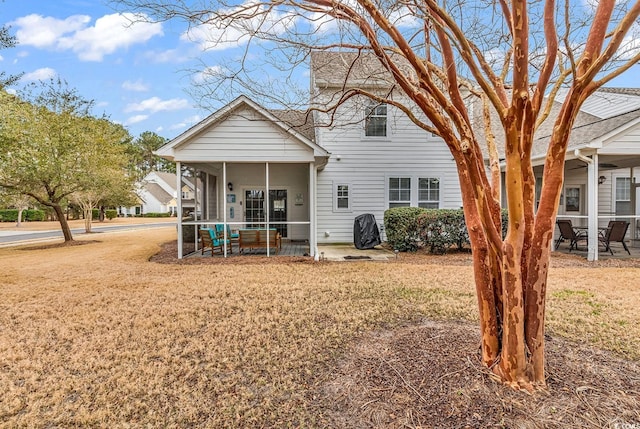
423	376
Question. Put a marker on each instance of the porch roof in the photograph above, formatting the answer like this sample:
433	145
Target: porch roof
244	131
601	136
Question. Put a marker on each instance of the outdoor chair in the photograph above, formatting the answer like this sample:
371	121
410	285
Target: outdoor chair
615	233
231	236
209	239
568	233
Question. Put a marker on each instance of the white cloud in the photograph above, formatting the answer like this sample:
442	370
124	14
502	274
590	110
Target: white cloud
187	122
137	86
135	119
155	104
1	59
110	33
44	32
168	56
39	74
220	34
206	74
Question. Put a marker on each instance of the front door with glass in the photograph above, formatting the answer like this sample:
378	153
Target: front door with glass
254	203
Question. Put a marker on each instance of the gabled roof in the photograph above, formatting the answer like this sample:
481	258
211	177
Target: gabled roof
158	193
168	178
280	119
591	134
338	69
609	102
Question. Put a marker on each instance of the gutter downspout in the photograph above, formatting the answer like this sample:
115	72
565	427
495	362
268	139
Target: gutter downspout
592	211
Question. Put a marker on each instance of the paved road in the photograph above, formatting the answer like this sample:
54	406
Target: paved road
18	237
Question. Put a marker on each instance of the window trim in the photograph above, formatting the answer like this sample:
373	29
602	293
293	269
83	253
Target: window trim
372	105
438	201
387	189
335	186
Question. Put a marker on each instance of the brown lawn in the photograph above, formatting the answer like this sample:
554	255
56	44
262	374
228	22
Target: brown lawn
96	335
79	223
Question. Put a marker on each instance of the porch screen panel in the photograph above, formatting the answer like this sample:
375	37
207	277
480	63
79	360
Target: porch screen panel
187	194
278	210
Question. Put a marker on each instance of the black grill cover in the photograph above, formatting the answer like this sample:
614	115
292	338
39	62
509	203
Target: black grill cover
365	232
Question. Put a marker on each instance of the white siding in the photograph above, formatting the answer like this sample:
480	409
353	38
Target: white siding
366	163
628	143
244	136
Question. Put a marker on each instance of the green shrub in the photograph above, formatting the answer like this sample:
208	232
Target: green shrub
156	215
111	214
401	228
441	229
411	228
11	215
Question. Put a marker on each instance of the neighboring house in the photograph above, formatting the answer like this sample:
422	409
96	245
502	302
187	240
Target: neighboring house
602	160
157	194
309	176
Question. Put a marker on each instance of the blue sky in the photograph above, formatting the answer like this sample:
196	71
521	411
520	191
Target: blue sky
135	74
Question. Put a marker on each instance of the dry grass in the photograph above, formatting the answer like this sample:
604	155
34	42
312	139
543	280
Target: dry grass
96	335
79	223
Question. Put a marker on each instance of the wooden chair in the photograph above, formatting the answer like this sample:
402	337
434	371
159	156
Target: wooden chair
231	236
615	233
568	233
209	239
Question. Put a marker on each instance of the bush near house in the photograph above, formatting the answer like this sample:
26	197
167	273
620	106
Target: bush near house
11	215
111	214
401	228
437	230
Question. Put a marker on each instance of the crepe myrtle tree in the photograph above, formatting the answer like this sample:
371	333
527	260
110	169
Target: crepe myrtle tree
51	148
440	59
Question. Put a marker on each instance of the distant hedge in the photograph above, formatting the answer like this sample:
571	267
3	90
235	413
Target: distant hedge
11	215
438	230
156	214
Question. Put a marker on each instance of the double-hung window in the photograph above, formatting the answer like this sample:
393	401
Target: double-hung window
623	195
341	197
428	193
399	192
375	122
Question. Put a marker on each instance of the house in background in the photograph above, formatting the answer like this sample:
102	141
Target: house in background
602	164
157	194
309	176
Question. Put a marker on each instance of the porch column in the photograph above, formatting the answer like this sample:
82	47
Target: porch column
224	208
179	206
312	210
592	192
267	203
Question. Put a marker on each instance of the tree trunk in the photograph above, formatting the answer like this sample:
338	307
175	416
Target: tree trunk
66	231
88	219
19	220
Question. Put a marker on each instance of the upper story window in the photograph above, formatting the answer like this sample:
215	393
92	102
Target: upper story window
375	123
